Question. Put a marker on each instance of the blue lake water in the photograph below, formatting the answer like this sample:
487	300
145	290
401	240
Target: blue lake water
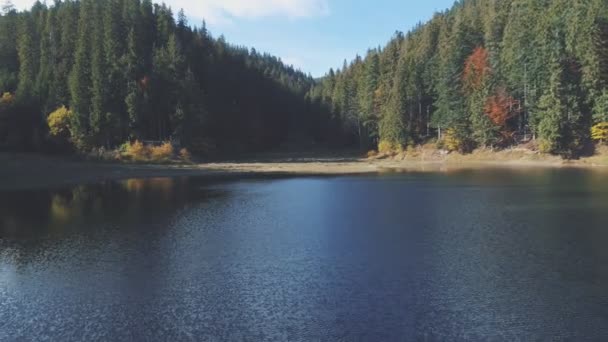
467	255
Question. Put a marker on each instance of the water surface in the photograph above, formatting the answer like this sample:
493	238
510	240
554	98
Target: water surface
468	255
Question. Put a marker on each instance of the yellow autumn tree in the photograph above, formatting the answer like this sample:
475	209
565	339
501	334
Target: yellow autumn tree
451	141
59	122
599	132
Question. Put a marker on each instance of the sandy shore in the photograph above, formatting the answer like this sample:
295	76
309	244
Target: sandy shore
25	171
29	171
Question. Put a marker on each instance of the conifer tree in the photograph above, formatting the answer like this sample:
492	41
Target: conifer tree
81	74
27	60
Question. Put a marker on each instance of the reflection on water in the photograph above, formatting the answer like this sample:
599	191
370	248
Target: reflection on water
459	255
40	213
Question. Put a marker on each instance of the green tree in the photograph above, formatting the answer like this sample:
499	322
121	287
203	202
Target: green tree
27	60
600	110
81	75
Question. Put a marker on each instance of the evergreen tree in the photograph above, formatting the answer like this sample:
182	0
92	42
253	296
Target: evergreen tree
600	110
27	60
9	62
80	77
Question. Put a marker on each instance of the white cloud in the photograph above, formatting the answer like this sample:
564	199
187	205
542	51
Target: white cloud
19	4
223	11
296	62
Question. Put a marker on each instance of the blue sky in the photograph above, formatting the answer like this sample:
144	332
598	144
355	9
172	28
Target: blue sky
313	35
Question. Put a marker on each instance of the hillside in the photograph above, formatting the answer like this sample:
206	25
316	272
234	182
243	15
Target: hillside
132	69
483	74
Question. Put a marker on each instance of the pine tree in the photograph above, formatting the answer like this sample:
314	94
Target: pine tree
9	62
81	75
27	60
49	60
600	110
395	127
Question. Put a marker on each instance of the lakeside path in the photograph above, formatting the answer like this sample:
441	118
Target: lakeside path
30	171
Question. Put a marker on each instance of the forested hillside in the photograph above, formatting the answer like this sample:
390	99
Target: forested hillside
118	70
484	73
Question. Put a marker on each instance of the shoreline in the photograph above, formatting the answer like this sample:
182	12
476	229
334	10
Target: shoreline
31	172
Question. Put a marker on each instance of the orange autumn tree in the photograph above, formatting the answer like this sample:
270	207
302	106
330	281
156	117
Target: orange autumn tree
476	70
476	77
500	108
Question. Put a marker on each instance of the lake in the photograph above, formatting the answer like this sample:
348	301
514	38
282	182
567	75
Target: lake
463	255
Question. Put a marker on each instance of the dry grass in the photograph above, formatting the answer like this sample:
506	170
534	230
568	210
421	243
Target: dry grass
524	154
600	158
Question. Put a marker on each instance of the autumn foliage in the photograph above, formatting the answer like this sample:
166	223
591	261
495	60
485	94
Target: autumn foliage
137	151
599	132
451	141
7	99
140	152
476	69
500	108
162	153
59	122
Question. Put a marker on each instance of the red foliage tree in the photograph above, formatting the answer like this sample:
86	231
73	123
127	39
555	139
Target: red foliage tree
500	108
476	69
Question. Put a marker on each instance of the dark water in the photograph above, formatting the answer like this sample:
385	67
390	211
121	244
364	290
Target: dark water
471	255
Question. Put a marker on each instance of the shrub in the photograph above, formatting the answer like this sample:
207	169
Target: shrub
545	146
59	122
124	148
387	147
162	153
137	151
185	156
7	99
599	132
451	142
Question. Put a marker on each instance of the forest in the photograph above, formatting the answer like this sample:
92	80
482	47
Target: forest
77	75
486	73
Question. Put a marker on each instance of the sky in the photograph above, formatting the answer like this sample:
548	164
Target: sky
312	35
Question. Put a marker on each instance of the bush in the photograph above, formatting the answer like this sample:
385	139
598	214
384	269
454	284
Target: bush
451	142
124	148
387	147
59	122
599	132
7	99
545	146
185	156
137	151
162	153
